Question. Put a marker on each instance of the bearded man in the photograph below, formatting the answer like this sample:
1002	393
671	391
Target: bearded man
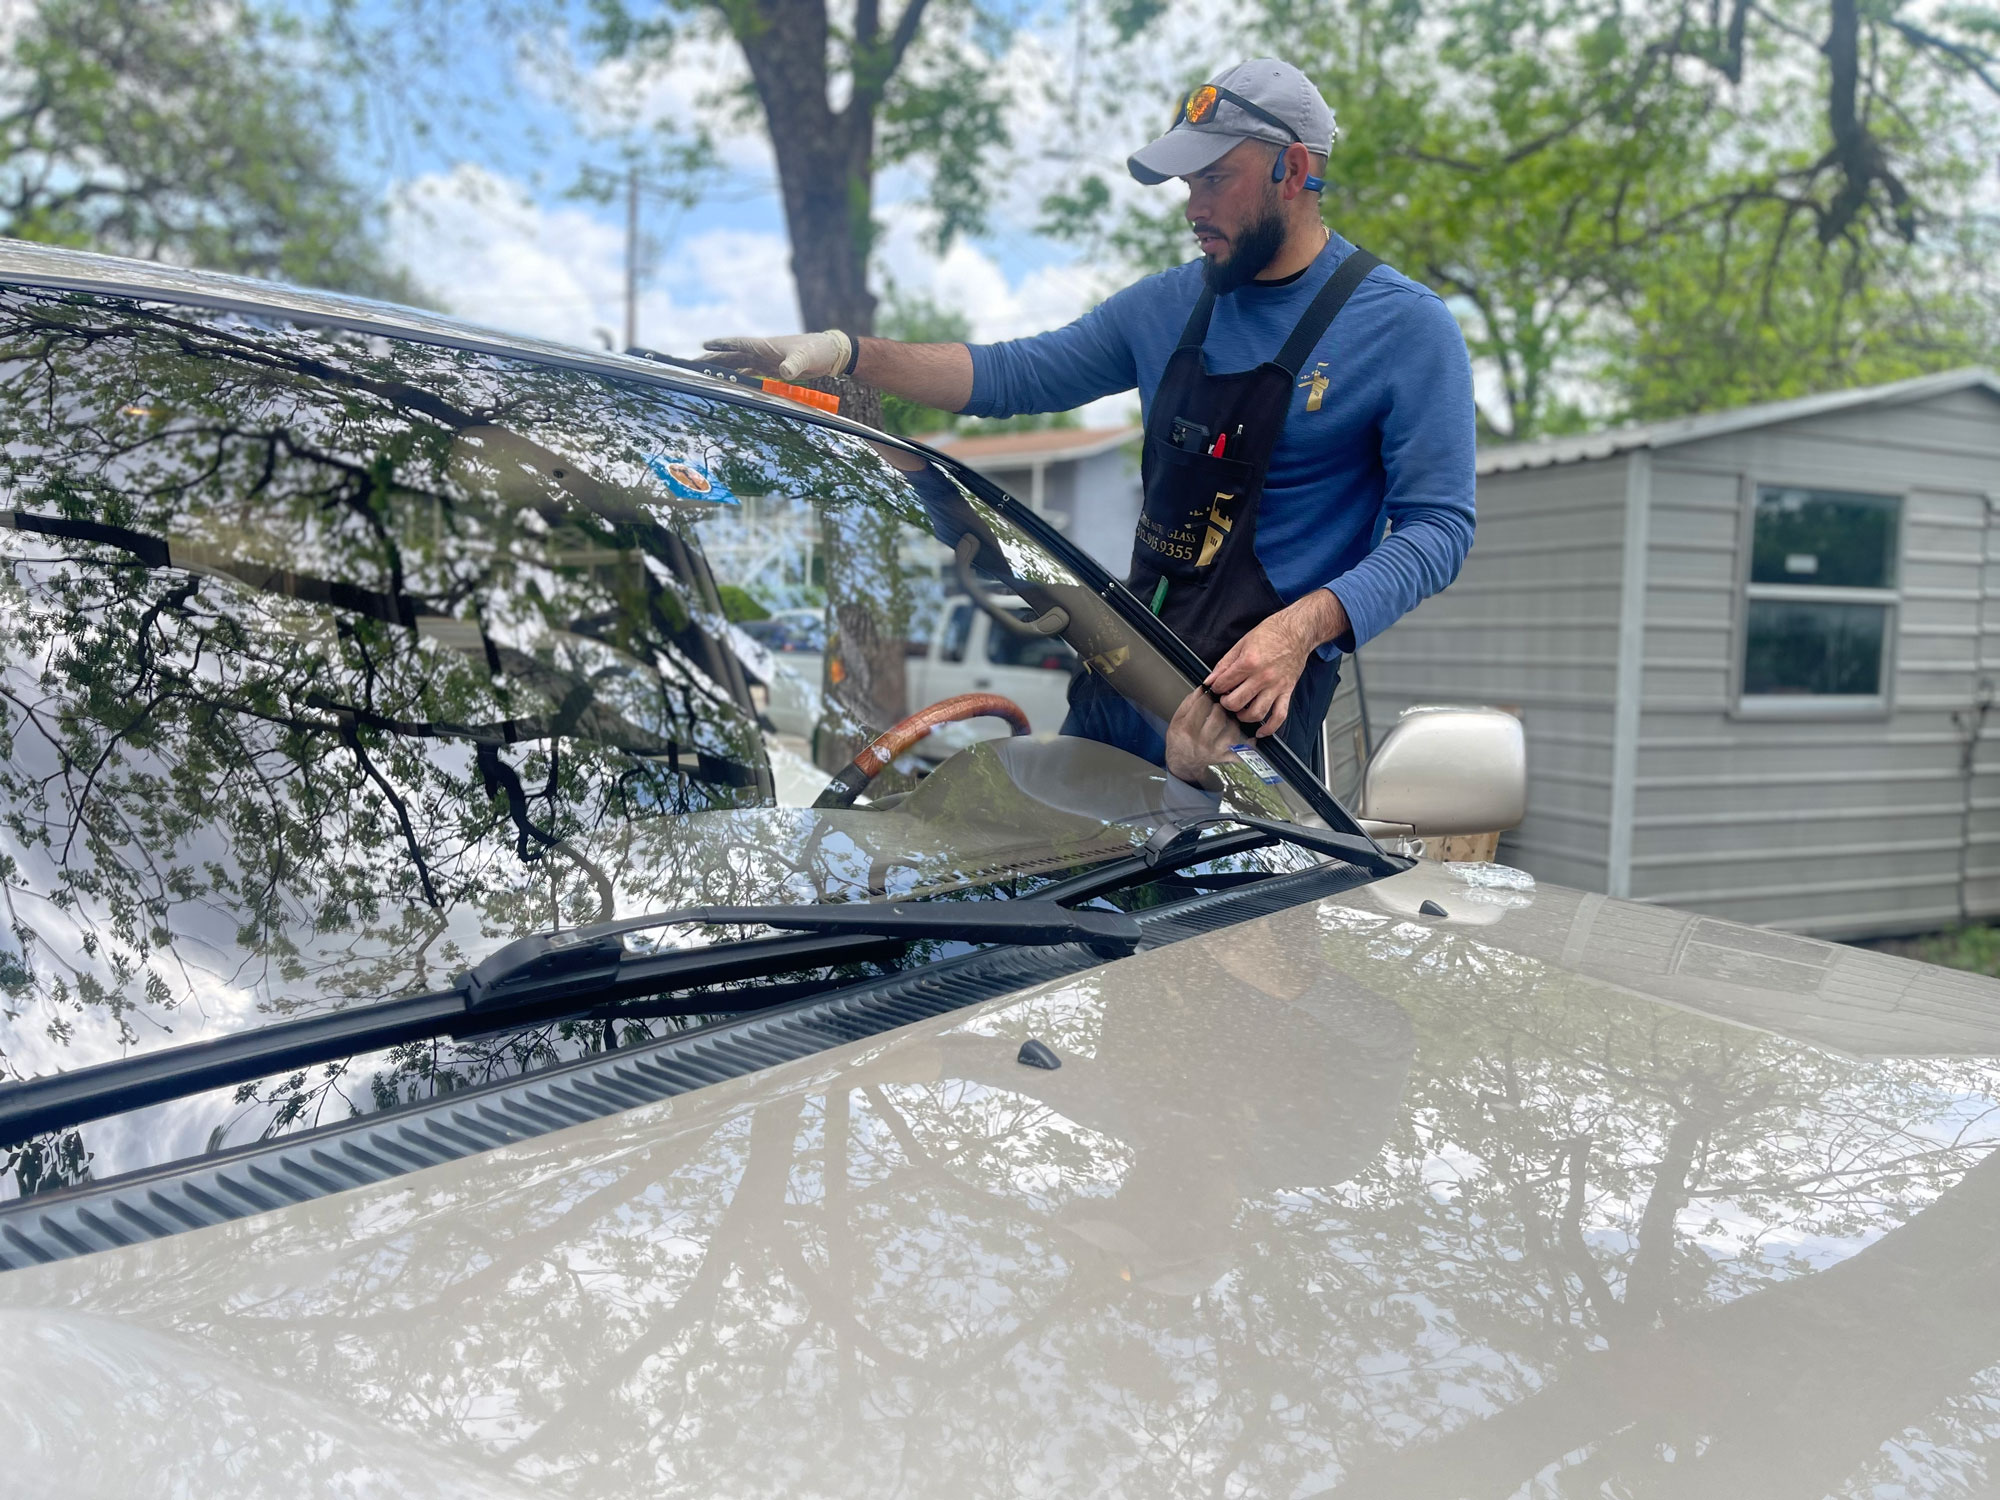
1298	502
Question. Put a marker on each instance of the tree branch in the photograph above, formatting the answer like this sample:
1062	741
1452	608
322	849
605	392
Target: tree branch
904	34
1974	62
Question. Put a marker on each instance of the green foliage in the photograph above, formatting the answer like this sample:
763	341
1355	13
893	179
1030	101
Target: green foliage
1028	421
176	129
918	87
952	121
1130	17
738	604
1645	209
1975	946
1735	315
1076	212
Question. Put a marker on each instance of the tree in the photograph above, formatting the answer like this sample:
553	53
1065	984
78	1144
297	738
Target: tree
842	94
177	130
1660	207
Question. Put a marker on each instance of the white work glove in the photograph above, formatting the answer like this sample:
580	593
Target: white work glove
790	356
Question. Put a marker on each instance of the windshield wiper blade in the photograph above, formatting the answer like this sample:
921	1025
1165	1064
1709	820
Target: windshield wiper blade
531	967
551	977
1173	841
1174	846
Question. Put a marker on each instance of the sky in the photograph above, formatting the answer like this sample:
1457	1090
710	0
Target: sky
484	218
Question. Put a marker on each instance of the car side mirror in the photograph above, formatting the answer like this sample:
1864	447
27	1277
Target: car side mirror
1446	771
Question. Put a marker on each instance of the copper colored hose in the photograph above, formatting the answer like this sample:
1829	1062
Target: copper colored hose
875	757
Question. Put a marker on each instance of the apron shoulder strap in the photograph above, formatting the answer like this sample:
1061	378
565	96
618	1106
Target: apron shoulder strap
1325	308
1196	332
1192	337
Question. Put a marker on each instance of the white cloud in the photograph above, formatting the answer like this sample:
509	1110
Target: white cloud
481	245
700	79
496	256
970	280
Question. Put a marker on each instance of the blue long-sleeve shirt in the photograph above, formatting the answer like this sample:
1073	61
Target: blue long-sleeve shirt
1390	437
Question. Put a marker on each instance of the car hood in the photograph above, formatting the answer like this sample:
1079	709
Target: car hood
1522	1189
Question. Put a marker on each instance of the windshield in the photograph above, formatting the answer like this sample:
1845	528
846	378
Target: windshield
333	662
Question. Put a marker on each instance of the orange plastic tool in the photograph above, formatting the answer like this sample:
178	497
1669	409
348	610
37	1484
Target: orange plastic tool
824	400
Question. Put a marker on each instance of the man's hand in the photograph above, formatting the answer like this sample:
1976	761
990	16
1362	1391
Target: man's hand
1254	681
790	356
1199	736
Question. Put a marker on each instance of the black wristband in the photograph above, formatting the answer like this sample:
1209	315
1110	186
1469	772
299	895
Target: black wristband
853	354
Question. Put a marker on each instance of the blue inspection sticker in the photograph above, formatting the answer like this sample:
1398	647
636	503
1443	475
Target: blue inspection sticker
1261	768
689	479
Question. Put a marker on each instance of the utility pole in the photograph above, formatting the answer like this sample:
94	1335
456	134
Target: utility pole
631	258
598	180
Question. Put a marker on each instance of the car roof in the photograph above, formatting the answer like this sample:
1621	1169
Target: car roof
26	264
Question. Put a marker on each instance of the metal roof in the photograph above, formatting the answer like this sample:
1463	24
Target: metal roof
1677	430
81	270
1002	450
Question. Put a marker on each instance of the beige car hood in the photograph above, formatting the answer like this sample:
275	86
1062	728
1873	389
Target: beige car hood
1352	1200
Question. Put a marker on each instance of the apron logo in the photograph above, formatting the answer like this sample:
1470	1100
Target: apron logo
1319	383
1218	527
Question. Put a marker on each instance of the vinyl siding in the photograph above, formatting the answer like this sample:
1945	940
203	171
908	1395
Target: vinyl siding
1532	622
1837	826
1097	500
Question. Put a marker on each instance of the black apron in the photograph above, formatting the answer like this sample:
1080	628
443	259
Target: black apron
1194	558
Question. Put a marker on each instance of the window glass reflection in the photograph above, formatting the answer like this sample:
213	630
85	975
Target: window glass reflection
330	662
1827	538
1826	649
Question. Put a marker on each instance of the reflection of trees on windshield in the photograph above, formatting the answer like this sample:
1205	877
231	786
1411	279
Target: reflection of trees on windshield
868	617
330	659
1265	1232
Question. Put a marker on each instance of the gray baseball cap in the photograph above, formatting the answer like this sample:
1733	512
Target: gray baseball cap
1272	101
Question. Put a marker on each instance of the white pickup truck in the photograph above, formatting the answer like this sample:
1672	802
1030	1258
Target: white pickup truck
966	652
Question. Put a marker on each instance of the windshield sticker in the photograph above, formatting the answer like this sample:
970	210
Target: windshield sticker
1260	767
689	479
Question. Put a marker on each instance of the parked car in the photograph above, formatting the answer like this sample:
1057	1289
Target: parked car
963	650
789	631
454	1048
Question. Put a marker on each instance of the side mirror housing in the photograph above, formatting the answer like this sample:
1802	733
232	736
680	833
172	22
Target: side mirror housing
1446	771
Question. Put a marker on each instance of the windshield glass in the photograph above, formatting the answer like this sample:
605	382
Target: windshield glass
332	662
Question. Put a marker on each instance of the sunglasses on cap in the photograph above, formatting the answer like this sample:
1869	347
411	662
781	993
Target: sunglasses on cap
1198	107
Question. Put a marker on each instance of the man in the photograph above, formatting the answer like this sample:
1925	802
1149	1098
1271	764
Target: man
1267	491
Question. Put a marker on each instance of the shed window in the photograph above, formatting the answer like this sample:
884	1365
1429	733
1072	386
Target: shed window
1821	594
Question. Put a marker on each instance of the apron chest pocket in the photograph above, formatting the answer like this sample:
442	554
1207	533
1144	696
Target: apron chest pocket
1191	507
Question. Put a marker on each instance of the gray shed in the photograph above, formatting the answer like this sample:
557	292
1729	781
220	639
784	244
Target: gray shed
1754	653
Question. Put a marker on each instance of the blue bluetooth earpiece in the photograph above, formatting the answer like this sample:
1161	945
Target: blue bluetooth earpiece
1313	184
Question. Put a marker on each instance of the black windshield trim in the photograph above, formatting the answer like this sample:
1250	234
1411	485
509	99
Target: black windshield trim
161	1201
